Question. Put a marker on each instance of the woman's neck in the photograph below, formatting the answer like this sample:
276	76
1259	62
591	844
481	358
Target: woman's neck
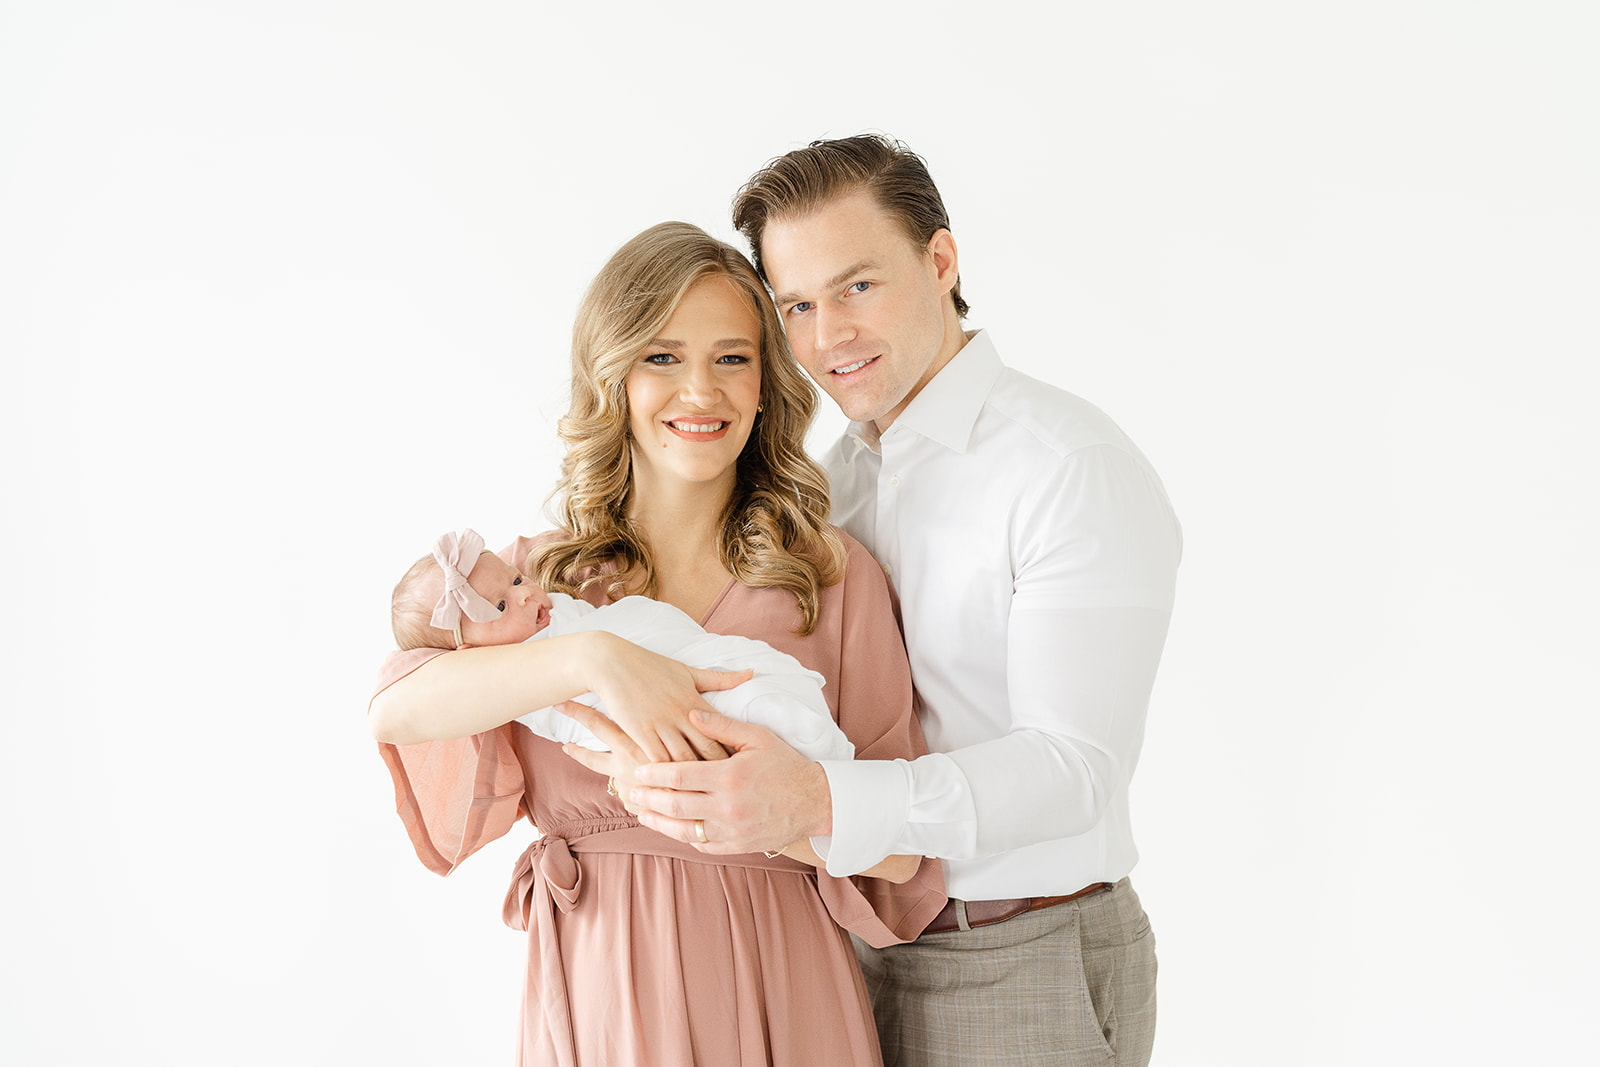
681	526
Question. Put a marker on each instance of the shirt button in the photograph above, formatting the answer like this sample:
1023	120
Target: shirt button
894	479
887	569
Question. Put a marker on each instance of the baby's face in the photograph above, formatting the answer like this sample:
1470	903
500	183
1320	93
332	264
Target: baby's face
524	607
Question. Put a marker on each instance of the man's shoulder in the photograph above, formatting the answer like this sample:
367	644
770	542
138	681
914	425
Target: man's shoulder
1024	407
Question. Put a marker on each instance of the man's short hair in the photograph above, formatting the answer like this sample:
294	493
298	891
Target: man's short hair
807	178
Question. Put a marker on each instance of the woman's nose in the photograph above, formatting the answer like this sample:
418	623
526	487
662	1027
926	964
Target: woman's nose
699	384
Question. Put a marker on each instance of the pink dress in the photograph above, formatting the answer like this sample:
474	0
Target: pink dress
643	950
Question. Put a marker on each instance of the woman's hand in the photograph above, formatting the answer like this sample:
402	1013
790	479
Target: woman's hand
617	765
649	697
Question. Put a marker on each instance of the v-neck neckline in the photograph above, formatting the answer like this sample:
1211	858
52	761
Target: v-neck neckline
717	603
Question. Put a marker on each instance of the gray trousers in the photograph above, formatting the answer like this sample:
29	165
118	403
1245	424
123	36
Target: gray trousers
1073	984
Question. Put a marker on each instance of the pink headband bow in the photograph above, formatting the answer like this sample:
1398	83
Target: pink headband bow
453	552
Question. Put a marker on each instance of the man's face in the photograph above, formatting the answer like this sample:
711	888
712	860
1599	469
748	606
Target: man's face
863	306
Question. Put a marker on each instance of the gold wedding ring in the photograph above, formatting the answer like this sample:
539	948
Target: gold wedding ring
700	831
611	786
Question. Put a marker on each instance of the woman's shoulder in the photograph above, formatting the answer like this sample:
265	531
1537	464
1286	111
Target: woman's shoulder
518	551
863	579
523	549
856	555
852	547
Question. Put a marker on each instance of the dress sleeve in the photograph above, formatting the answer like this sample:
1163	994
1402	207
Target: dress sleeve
877	711
453	796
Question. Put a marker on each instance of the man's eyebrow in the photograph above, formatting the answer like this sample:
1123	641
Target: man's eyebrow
833	282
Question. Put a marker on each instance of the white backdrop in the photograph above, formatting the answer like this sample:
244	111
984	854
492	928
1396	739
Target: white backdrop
285	289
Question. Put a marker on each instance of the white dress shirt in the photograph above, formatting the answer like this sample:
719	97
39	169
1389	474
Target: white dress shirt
1034	552
783	696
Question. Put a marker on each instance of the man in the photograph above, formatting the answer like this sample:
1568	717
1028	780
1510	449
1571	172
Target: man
1034	552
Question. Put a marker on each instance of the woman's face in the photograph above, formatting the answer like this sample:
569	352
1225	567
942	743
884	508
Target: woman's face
693	391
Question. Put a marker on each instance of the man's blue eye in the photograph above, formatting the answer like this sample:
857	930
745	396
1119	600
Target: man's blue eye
798	308
860	287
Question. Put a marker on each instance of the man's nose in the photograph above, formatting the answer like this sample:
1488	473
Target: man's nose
833	327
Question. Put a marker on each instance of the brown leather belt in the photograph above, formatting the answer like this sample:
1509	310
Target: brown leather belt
989	912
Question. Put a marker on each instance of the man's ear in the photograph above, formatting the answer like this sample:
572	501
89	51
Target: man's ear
942	250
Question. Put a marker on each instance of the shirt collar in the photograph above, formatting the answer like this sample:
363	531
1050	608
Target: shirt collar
947	408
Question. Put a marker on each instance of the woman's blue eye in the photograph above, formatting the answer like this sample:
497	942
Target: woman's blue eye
658	358
733	359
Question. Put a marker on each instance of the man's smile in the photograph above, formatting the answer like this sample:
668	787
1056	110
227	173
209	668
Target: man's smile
853	367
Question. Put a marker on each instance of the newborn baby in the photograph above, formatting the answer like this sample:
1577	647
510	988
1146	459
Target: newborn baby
478	598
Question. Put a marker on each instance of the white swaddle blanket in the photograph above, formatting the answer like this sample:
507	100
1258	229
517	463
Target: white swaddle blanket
783	696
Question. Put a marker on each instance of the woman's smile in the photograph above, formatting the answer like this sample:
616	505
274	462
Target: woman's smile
699	430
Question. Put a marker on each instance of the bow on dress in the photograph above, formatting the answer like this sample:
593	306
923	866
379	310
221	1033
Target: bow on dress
547	877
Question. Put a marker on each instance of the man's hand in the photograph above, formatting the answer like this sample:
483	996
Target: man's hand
650	698
759	799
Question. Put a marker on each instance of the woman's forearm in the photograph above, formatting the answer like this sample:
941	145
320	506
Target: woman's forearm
476	689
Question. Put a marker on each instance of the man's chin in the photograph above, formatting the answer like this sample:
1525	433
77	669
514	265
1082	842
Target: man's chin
856	410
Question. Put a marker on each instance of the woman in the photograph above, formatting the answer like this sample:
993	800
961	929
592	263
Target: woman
685	480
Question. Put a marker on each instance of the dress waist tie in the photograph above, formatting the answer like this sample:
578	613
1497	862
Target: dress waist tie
547	877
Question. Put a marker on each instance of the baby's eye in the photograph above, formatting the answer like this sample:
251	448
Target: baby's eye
501	605
516	581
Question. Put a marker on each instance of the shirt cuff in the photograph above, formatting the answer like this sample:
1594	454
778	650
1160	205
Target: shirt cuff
875	794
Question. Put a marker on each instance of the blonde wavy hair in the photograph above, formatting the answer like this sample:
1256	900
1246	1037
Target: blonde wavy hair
775	531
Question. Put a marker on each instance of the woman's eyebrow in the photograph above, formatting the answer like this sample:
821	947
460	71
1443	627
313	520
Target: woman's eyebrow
725	343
